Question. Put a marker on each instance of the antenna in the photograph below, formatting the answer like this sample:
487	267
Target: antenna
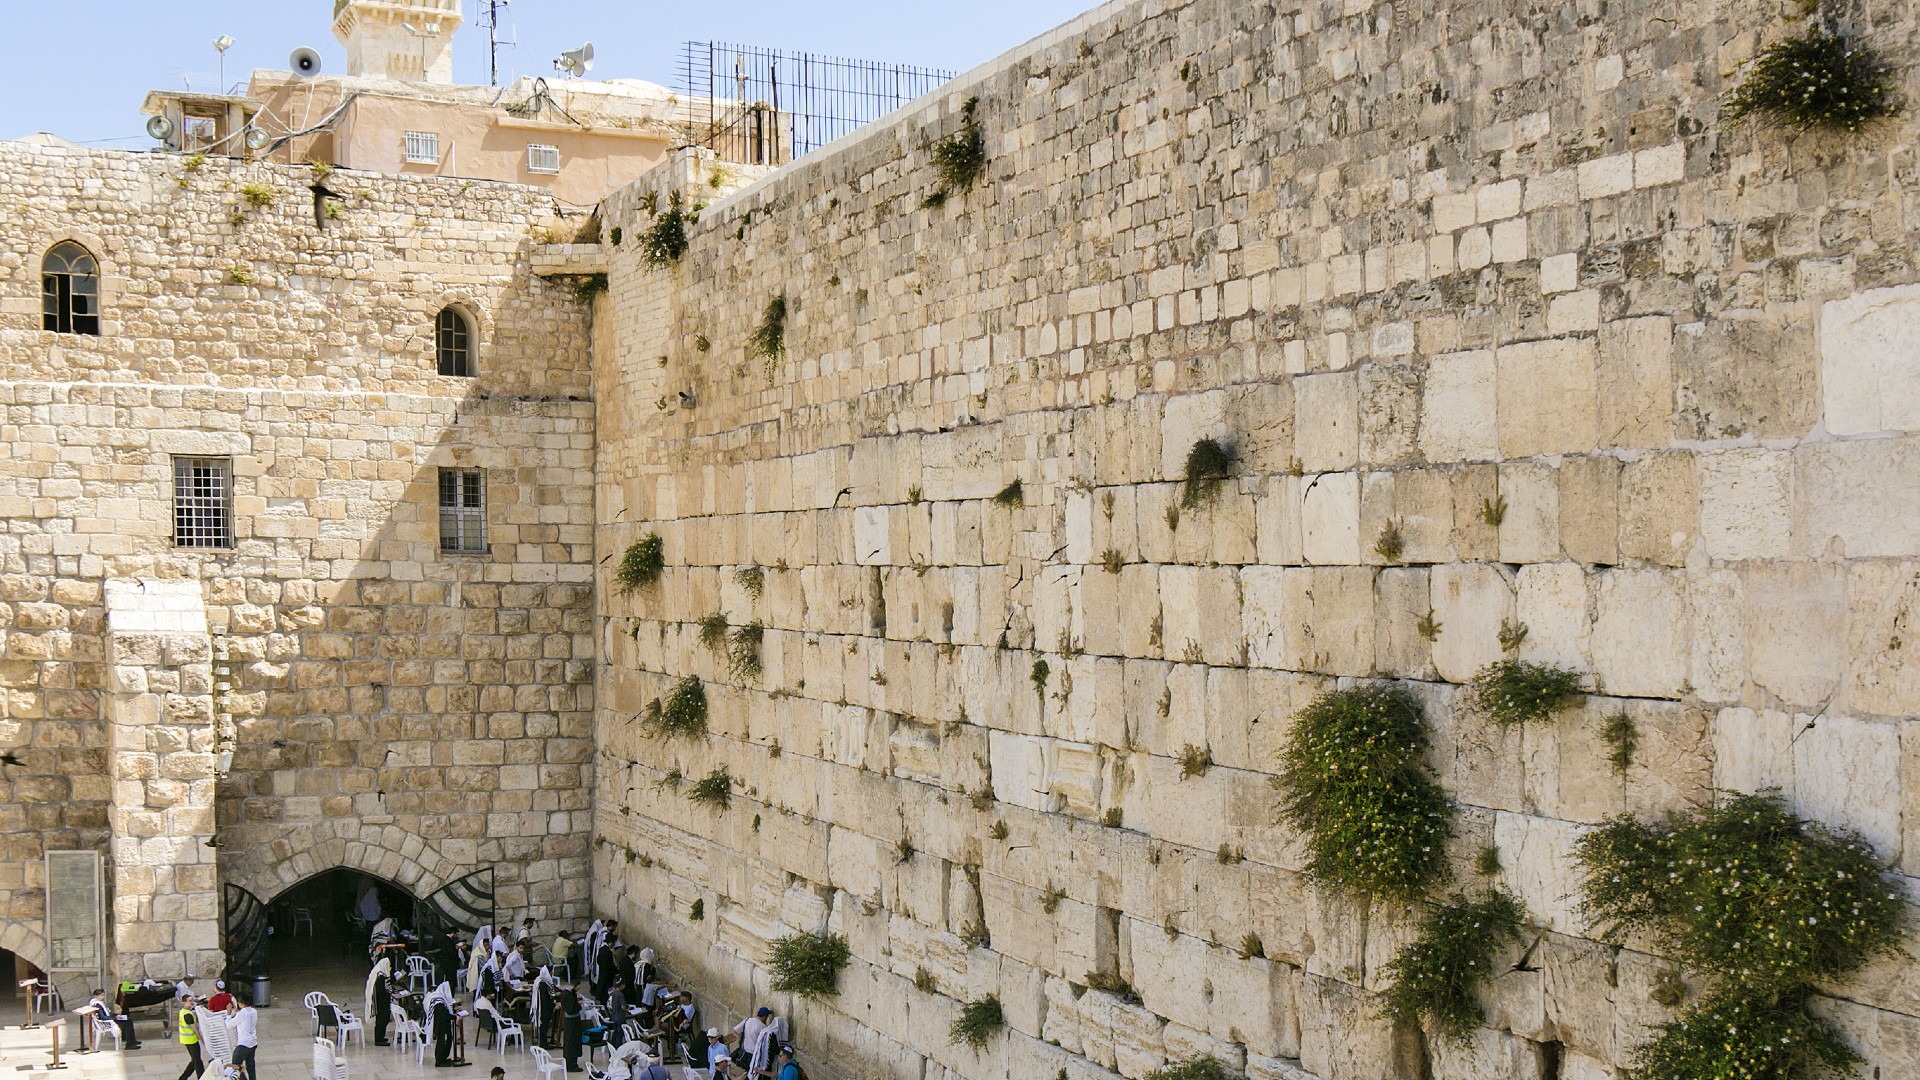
490	14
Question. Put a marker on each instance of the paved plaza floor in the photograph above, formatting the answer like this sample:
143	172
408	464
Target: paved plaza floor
286	1041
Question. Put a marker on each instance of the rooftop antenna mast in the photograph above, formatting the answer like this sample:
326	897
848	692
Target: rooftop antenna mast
490	15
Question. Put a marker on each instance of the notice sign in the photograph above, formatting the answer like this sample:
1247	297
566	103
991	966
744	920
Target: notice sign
74	924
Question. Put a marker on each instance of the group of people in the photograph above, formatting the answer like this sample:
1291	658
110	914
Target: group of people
607	993
240	1018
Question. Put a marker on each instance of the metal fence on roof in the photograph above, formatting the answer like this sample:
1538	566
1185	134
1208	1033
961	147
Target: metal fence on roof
760	106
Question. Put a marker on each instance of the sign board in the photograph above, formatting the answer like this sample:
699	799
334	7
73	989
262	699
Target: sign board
75	923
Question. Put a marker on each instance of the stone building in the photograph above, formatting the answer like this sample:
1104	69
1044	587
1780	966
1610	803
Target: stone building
1506	322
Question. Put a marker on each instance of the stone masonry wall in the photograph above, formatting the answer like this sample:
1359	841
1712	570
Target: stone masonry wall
1501	276
396	710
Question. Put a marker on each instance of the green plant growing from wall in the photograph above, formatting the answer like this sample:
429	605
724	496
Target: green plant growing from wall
979	1020
1429	627
923	981
1110	561
663	242
1252	947
254	193
752	580
1763	902
1391	544
1050	900
960	159
999	830
974	935
697	911
809	964
714	789
769	340
913	495
1354	779
1039	678
1512	635
239	275
1512	692
1109	982
1493	511
1815	80
670	780
642	564
1438	974
713	632
614	236
682	715
1012	496
1487	862
743	651
1194	761
903	850
1206	1067
1622	739
1209	462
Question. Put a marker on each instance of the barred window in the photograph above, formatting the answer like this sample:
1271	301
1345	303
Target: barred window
70	290
203	502
453	339
423	148
542	158
463	511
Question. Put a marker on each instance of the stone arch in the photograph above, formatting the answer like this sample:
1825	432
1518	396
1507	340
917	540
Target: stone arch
106	255
385	851
25	942
479	322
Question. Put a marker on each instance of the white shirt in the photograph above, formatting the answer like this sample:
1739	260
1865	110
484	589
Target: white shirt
245	1026
752	1031
516	966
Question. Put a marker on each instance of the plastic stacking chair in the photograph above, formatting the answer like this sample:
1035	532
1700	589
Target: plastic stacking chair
405	1028
106	1029
302	917
543	1061
419	973
349	1025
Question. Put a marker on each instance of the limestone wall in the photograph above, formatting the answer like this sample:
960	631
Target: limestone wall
404	712
1501	277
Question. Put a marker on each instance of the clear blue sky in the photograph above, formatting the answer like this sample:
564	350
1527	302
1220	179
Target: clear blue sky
79	68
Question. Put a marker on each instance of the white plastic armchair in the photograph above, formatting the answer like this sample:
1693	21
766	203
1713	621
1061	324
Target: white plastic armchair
405	1028
543	1061
505	1030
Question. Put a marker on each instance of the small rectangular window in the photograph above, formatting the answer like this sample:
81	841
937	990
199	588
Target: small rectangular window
423	148
463	511
543	159
203	502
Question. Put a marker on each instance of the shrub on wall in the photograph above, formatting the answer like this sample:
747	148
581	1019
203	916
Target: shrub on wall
1762	902
644	561
1354	778
809	964
1208	463
714	789
684	713
960	158
663	242
1200	1068
1815	80
1438	974
769	339
743	651
1516	692
977	1022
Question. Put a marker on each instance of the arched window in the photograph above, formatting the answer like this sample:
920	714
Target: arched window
70	290
453	337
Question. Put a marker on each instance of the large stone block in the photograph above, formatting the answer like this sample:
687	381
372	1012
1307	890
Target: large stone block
1744	377
1459	408
1470	601
1548	397
1869	349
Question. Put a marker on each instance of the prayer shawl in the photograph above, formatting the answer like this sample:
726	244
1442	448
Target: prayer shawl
543	988
595	935
381	970
480	952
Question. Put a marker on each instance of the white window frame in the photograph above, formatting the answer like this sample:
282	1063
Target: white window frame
543	158
203	502
463	512
422	147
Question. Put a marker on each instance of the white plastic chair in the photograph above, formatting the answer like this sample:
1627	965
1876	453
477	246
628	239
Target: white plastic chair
426	1036
106	1029
543	1061
313	1001
419	973
504	1029
302	917
46	999
349	1025
327	1065
404	1028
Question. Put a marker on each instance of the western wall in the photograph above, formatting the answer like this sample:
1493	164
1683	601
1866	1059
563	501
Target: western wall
1505	324
389	708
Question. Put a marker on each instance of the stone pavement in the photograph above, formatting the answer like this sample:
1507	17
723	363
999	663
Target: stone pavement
286	1046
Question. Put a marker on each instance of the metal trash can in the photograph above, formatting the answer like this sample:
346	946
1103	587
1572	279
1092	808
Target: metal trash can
262	991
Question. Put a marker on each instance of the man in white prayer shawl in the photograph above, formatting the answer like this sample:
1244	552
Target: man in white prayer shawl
439	1006
379	1001
596	933
482	948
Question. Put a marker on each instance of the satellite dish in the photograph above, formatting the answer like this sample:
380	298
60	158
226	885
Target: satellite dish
576	62
257	139
304	62
160	128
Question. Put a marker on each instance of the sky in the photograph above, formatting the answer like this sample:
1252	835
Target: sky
79	68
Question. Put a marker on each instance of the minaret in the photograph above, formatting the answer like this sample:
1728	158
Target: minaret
411	40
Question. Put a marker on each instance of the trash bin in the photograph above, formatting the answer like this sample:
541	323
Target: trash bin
262	991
